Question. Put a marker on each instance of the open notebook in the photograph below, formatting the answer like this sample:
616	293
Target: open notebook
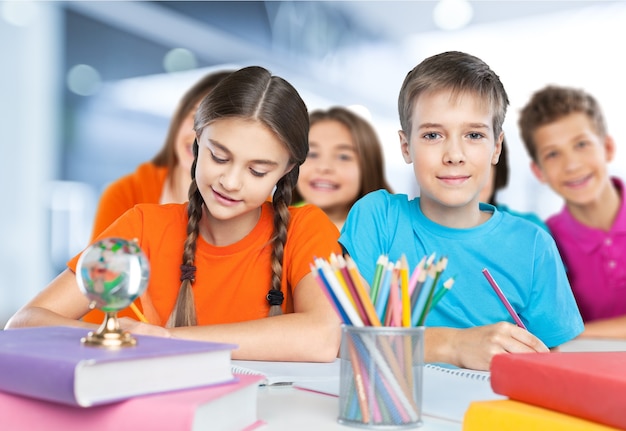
447	392
286	373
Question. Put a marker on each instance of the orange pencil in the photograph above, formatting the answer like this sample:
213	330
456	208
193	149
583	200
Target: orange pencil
362	292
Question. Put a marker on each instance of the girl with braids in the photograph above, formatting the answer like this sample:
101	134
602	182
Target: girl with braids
229	265
164	179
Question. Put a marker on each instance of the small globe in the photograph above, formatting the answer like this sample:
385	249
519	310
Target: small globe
112	273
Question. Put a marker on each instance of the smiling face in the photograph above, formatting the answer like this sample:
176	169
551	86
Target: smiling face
330	177
239	163
572	159
452	147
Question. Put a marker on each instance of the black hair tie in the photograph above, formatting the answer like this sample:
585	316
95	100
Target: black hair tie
275	297
188	272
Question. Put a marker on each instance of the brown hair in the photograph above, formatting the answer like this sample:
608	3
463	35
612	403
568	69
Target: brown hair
249	93
368	149
458	72
552	103
501	178
167	154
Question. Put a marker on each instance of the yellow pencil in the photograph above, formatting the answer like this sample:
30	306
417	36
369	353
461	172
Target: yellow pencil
138	313
404	287
334	263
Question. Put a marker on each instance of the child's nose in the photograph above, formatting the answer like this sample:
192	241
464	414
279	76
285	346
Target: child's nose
325	164
453	152
231	179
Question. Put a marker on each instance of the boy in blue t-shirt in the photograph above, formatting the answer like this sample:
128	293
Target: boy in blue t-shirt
452	106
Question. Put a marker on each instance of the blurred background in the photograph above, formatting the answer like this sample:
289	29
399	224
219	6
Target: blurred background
87	89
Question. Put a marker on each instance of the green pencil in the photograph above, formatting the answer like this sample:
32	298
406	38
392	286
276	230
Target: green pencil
381	263
447	285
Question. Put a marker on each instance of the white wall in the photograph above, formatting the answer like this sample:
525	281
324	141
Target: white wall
29	130
580	49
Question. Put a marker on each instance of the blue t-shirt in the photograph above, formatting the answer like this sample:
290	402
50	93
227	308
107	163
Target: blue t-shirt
528	216
520	256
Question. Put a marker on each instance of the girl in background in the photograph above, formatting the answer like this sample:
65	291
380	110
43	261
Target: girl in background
345	162
245	275
166	177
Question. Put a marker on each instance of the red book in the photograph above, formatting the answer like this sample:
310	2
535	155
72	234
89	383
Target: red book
589	385
229	406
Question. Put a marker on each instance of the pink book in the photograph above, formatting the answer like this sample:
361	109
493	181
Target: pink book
229	406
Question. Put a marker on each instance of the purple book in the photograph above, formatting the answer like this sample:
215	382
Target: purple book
51	363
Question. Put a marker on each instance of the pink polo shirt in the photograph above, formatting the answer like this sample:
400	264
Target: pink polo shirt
595	261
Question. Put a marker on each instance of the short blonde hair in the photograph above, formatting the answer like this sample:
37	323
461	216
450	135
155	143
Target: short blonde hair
458	72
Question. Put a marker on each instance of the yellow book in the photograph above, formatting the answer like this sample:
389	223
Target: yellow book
509	415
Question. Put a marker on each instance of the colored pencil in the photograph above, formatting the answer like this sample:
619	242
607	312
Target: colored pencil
328	292
404	287
354	295
415	274
439	268
383	295
334	264
362	293
447	285
381	264
344	302
503	299
138	313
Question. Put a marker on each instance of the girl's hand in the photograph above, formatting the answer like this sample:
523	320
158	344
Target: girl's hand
475	347
136	327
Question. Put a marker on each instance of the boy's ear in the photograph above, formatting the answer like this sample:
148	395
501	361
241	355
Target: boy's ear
609	148
536	170
405	147
498	149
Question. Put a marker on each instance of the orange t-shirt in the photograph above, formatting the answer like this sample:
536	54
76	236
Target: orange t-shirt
145	185
231	282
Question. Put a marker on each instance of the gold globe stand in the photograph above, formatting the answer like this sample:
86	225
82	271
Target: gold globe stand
109	334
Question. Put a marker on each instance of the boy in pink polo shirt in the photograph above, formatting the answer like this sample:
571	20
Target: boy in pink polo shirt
565	135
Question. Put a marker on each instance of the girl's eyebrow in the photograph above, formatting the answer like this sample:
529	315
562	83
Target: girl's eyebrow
229	153
346	146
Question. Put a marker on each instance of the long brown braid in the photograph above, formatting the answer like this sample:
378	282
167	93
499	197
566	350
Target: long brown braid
184	313
249	93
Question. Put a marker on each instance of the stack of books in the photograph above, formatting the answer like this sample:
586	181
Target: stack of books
560	391
50	380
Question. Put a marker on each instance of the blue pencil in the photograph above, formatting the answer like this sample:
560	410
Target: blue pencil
321	279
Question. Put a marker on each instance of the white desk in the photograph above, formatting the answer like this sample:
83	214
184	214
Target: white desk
594	345
288	408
